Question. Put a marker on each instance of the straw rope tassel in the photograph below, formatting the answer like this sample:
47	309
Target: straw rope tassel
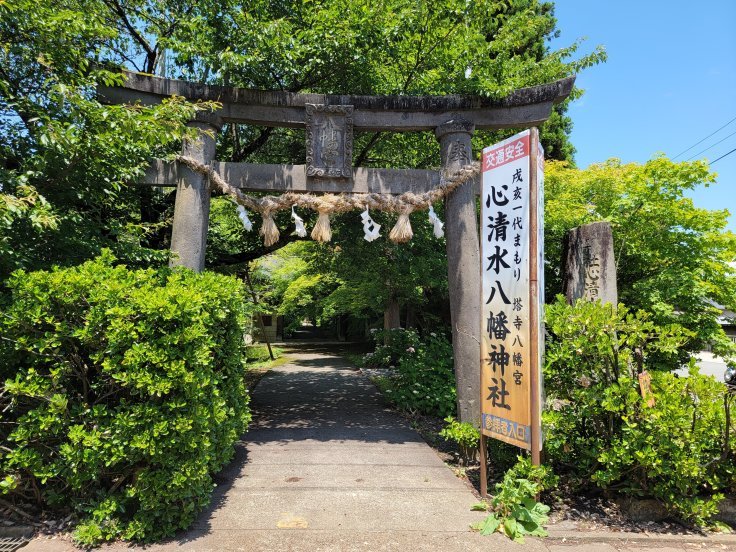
402	232
269	230
322	231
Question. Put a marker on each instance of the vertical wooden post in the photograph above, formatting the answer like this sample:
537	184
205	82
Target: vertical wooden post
483	466
534	302
463	259
483	445
192	206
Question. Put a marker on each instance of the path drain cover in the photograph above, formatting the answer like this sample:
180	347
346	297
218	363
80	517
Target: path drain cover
12	544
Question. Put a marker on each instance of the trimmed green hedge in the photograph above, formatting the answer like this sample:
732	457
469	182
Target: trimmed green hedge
668	443
123	394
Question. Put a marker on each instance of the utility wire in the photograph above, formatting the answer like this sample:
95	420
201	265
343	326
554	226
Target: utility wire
704	139
724	155
711	146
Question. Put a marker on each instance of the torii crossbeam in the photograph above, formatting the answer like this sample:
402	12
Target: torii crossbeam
330	121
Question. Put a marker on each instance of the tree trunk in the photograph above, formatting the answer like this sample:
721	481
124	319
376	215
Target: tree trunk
391	318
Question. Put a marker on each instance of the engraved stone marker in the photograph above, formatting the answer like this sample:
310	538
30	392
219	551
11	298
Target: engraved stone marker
329	140
590	269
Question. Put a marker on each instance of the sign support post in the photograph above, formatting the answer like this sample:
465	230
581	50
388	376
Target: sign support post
483	466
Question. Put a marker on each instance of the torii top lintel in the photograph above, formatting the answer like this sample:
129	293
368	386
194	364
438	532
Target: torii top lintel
524	107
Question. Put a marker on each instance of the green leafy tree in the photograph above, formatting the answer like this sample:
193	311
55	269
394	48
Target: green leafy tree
58	142
672	257
350	276
67	160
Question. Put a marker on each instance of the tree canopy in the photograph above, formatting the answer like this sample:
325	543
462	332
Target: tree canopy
68	161
672	257
350	276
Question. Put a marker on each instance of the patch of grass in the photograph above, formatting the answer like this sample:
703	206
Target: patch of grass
258	353
259	362
356	359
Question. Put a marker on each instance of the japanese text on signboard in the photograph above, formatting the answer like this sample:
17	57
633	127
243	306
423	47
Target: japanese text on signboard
505	357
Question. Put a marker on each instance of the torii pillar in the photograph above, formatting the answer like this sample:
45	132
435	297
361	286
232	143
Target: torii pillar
463	261
192	206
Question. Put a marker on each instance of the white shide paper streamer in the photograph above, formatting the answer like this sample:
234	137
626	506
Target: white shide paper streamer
299	223
243	214
370	228
436	222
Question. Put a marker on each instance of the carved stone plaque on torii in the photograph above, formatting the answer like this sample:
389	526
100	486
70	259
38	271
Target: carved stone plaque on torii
329	121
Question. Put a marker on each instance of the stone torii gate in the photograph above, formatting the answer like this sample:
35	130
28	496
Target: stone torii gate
330	121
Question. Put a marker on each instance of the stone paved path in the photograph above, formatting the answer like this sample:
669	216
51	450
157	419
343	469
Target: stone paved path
326	466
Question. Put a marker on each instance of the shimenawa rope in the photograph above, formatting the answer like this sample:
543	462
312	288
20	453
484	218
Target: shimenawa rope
326	204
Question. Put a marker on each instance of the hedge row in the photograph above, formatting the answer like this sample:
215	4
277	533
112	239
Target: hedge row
123	393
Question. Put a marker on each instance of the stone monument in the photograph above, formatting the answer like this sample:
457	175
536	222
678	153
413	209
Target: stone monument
589	264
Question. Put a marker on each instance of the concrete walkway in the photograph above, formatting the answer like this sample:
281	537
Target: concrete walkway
326	466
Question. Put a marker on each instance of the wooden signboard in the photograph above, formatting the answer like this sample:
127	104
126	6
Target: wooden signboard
512	270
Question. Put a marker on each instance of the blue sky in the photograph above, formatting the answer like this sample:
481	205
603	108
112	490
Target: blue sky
670	80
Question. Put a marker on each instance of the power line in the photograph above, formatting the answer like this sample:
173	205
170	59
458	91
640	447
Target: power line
711	146
724	155
704	139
